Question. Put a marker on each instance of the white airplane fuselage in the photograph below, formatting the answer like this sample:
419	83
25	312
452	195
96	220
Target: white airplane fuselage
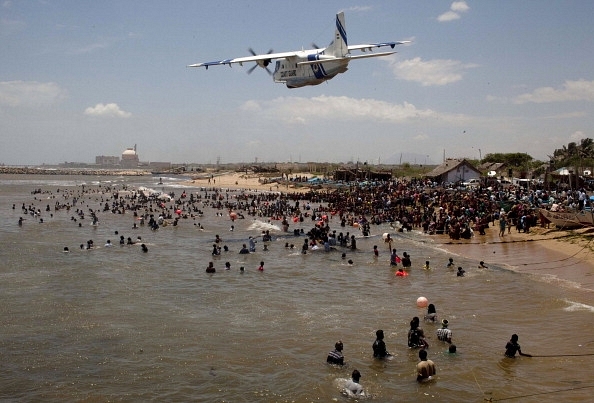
295	75
313	66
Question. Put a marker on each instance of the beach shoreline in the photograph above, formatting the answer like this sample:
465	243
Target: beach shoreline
547	252
556	248
248	182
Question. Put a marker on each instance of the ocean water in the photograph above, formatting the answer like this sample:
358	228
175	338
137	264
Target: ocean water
116	324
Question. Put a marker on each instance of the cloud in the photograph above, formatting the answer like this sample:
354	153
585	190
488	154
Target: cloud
577	136
297	110
448	16
29	93
91	47
359	8
107	110
456	8
250	106
568	115
459	6
431	72
580	90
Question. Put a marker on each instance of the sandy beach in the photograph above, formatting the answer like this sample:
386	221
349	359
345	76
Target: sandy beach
561	255
249	182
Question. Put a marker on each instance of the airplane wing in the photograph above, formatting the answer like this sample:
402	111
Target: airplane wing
263	59
370	46
349	57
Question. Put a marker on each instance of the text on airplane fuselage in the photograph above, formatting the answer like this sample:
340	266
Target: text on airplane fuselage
288	73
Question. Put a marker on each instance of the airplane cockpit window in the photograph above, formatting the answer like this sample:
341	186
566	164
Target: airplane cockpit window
277	66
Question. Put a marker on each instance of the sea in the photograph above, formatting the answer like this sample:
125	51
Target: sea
115	324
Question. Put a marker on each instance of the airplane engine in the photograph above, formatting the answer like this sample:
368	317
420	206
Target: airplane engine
262	63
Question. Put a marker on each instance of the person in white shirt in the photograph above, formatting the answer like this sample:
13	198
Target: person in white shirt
353	387
444	334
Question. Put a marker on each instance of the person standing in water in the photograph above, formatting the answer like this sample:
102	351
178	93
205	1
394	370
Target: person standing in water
379	346
431	313
450	264
425	368
406	262
335	356
512	347
444	334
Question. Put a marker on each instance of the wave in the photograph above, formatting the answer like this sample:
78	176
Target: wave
263	226
577	306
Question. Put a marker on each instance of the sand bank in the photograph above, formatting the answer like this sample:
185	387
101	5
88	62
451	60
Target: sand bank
566	256
250	181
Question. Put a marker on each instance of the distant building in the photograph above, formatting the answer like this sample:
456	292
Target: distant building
454	170
494	169
351	175
130	158
107	160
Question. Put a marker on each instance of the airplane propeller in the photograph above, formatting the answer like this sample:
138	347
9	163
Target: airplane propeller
262	63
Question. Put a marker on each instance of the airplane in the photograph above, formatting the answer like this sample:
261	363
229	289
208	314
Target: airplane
313	66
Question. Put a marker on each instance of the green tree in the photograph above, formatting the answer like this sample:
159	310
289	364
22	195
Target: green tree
518	160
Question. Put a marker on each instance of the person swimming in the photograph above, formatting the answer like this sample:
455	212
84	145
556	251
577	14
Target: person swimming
353	387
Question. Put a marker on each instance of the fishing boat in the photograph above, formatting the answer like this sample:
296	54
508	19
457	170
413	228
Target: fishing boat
586	217
563	219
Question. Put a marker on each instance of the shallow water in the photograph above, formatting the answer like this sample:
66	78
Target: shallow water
115	324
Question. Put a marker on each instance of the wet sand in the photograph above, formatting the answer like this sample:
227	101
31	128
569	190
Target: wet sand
565	256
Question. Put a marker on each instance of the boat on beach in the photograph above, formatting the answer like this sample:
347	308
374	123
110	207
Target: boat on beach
566	219
586	217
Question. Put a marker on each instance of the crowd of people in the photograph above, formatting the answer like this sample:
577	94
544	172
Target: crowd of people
403	204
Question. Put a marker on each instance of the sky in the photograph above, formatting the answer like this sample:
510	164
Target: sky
80	79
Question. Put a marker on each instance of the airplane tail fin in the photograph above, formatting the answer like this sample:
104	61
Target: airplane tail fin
339	46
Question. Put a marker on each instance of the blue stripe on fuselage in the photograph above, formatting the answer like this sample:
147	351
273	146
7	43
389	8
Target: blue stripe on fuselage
318	70
341	30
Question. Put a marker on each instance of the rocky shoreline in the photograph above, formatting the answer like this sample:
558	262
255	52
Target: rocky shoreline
73	171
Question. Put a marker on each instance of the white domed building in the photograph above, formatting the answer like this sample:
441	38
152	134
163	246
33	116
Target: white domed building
130	158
